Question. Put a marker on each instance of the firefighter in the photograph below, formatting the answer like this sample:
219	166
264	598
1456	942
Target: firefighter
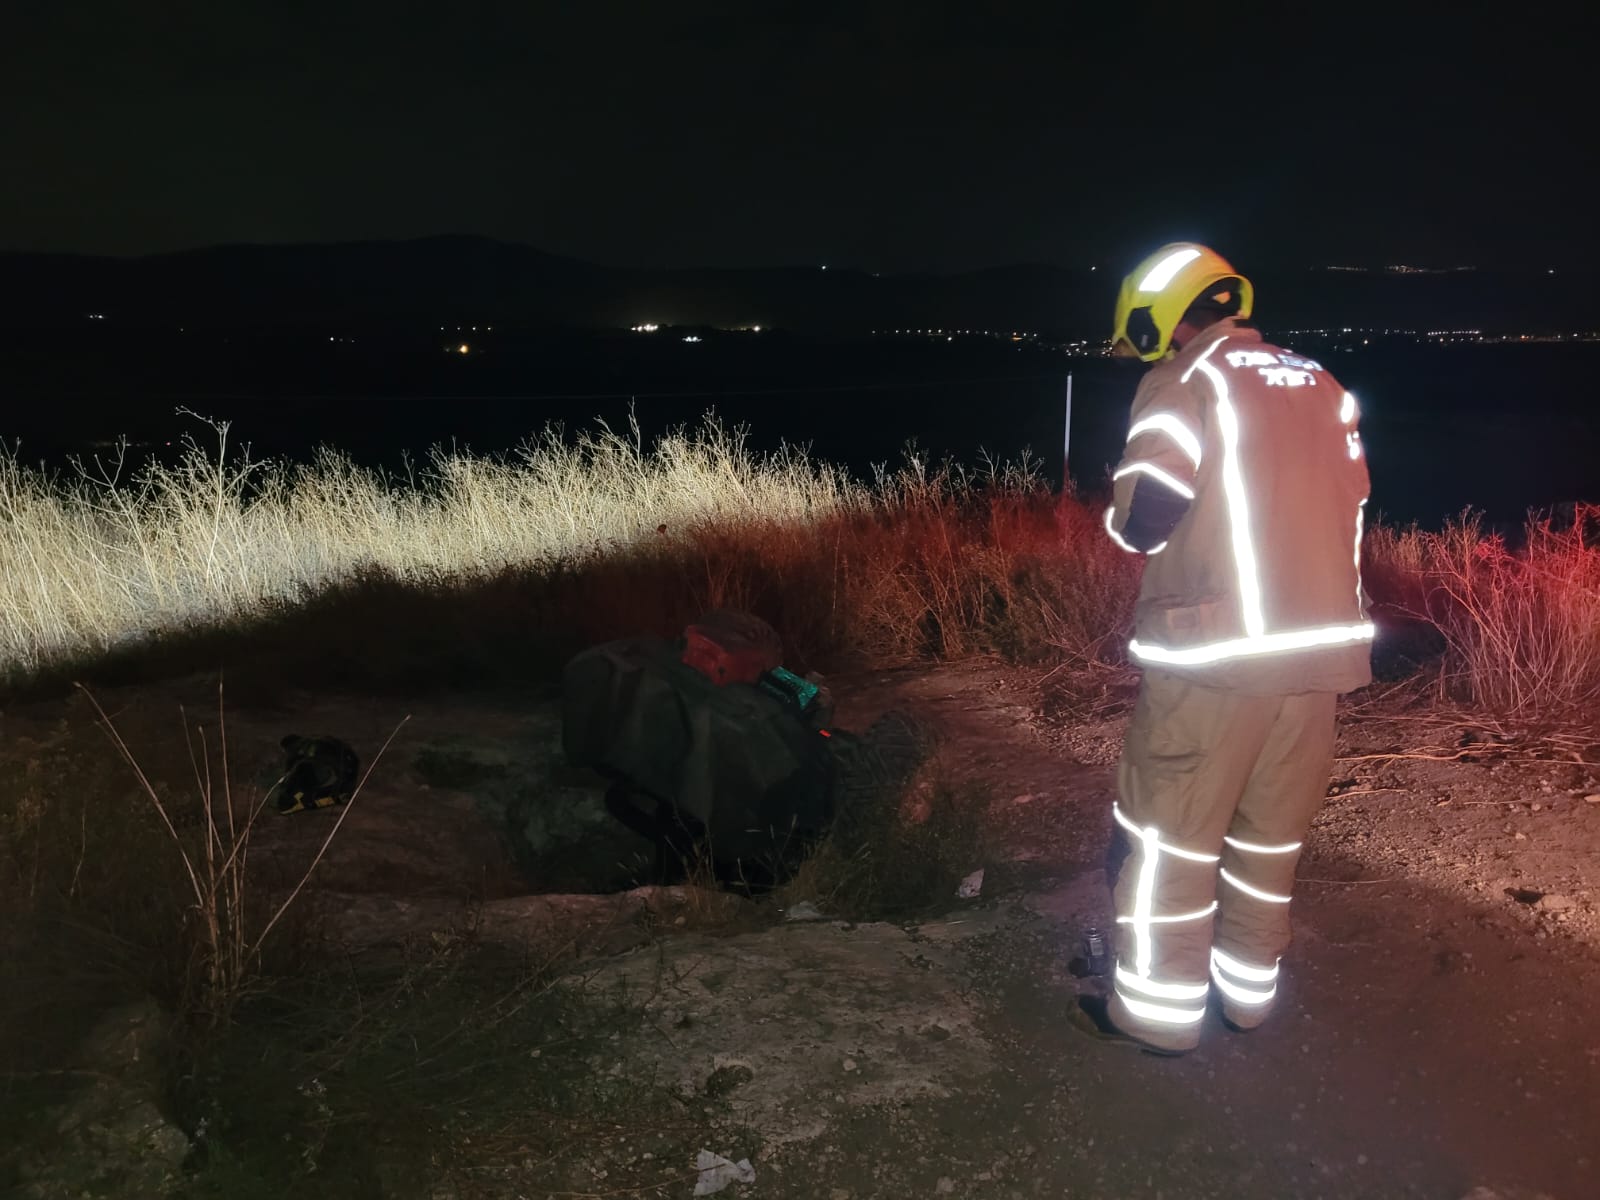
1244	484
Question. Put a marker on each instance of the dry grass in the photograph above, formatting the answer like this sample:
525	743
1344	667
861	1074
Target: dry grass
1522	626
593	537
475	569
96	559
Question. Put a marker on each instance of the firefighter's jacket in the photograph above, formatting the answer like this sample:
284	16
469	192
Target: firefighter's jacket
1258	587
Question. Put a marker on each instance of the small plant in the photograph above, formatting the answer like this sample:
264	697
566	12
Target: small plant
220	929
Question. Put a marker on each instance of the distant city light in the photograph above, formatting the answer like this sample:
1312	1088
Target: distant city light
824	266
758	329
691	338
1401	269
645	328
462	349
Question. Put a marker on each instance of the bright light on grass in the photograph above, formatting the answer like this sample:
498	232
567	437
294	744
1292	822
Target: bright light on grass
94	561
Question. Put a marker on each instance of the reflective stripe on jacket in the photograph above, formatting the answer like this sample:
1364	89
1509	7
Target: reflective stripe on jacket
1258	588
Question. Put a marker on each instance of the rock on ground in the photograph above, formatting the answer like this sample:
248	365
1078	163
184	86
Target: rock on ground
798	1024
111	1138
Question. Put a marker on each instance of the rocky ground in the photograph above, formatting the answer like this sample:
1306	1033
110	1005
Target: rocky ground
1438	1031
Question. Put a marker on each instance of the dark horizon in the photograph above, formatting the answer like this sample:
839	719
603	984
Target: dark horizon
474	278
1370	266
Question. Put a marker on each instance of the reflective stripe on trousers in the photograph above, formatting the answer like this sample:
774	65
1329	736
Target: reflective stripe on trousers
1170	1001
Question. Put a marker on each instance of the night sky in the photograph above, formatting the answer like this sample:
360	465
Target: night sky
880	135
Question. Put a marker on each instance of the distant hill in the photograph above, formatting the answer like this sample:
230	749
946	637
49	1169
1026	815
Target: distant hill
447	279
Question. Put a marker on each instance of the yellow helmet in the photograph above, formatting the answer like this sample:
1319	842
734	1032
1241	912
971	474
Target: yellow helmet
1161	289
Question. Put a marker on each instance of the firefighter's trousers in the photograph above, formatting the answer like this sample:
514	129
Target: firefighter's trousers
1217	790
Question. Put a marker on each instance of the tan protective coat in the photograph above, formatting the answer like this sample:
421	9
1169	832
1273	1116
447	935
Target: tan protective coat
1267	443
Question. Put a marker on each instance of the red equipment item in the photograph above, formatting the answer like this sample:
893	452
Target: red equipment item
732	647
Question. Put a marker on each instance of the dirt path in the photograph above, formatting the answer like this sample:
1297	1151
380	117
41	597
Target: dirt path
1382	1077
1427	1043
